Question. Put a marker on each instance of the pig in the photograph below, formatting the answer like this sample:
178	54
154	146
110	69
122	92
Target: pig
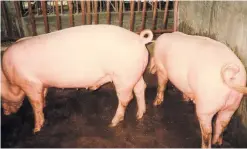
205	71
86	56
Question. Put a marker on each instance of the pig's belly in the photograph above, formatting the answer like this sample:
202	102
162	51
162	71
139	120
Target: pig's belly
73	73
73	79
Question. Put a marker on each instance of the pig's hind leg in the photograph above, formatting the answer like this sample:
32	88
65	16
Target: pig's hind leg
162	83
124	94
139	91
224	117
205	115
35	92
205	120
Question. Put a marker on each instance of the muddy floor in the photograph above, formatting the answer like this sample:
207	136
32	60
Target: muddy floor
80	119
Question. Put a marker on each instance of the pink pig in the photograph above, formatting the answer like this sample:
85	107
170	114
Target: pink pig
80	57
207	72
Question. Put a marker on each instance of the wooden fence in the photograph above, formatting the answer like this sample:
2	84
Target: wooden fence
38	17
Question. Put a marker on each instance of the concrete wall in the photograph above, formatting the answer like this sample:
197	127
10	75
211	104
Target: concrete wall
225	21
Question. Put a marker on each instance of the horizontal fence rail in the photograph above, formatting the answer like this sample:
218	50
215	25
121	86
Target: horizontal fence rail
38	17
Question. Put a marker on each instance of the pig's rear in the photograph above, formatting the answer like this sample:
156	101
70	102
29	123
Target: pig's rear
195	56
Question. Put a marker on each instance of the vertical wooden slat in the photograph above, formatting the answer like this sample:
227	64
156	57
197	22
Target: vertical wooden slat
53	7
165	13
77	7
143	14
123	6
108	12
138	5
18	13
37	7
132	6
83	12
95	12
120	14
57	16
71	23
89	21
43	6
175	15
160	5
100	5
116	5
92	6
5	19
154	14
31	19
61	7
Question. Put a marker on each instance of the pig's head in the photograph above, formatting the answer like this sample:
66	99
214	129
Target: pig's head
11	96
11	101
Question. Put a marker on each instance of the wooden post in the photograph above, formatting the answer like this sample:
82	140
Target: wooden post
57	16
31	19
18	15
71	22
43	5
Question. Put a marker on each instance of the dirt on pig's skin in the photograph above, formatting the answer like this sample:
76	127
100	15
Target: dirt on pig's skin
80	118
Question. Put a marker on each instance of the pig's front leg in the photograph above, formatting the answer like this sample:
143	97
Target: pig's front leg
162	83
35	92
139	91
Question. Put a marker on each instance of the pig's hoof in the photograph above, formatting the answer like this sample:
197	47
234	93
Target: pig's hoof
218	142
36	130
157	102
140	114
112	125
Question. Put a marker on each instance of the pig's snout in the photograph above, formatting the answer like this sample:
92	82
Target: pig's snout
146	36
9	108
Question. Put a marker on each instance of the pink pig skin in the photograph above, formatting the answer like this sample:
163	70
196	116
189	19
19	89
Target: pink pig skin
80	57
207	72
